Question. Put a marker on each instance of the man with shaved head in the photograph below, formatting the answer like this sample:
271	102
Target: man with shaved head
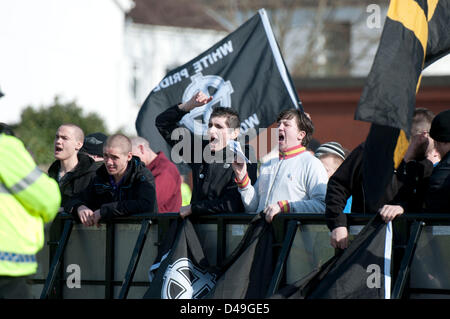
72	170
122	186
167	177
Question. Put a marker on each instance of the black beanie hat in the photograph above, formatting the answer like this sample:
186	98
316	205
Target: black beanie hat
440	127
93	144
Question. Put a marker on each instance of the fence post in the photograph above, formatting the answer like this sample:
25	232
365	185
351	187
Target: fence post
109	261
282	258
134	260
403	273
56	260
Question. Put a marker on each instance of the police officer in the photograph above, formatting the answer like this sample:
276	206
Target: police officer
28	199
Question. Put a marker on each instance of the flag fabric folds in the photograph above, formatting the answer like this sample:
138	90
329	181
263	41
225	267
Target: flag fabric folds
244	71
416	33
181	269
247	272
362	271
438	17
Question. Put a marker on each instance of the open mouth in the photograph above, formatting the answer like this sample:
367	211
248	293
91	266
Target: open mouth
213	140
281	137
58	149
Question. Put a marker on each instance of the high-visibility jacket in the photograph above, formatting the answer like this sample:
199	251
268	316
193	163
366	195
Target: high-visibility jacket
186	194
28	199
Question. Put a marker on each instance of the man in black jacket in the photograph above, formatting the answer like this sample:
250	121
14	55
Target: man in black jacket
432	184
122	186
437	199
214	188
348	181
72	170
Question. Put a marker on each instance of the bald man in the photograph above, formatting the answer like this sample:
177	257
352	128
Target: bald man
167	177
122	186
72	170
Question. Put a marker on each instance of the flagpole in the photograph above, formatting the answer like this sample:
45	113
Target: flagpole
387	261
277	56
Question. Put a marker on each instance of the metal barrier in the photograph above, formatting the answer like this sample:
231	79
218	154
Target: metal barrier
303	235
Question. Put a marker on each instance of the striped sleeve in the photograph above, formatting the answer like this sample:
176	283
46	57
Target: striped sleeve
284	206
244	182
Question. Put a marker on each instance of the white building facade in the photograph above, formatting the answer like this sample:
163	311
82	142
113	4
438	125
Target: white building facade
154	50
87	51
69	48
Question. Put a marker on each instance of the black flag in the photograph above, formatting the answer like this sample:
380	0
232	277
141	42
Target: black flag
244	71
181	270
415	34
362	271
247	272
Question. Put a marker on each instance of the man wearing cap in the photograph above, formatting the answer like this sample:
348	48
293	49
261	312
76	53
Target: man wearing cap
437	198
348	181
437	186
331	155
93	146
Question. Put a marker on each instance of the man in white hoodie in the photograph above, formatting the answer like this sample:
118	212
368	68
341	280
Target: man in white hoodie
296	181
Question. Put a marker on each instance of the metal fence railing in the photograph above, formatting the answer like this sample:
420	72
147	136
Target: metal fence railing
115	258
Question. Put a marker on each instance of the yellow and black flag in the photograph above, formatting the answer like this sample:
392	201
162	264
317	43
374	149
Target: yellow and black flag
416	33
362	271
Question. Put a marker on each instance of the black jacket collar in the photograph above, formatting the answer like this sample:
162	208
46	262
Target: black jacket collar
133	169
83	167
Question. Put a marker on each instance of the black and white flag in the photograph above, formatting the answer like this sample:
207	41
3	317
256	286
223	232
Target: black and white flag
244	71
362	271
247	272
181	269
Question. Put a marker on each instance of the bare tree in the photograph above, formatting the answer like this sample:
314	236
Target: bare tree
316	37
